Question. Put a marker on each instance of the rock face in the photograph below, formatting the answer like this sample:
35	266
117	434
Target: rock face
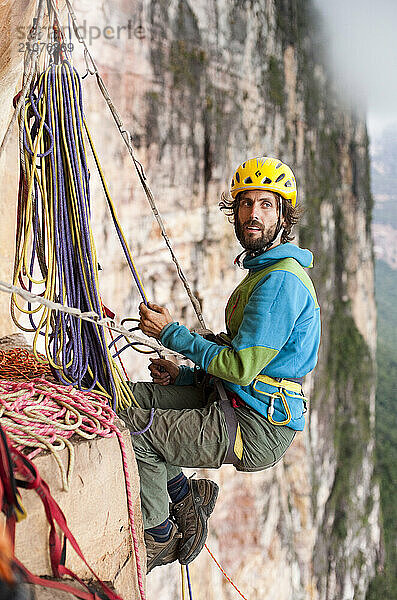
201	86
96	515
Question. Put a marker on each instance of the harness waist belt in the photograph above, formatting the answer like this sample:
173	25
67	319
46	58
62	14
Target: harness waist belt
292	385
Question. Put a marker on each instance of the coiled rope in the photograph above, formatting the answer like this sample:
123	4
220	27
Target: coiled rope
41	414
19	363
54	221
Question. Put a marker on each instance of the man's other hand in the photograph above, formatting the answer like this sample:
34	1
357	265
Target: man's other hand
153	319
163	372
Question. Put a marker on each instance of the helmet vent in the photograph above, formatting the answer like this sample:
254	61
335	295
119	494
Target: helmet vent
280	177
248	180
232	182
288	183
278	165
237	176
244	165
266	180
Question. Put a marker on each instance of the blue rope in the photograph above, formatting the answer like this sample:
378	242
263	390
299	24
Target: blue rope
188	583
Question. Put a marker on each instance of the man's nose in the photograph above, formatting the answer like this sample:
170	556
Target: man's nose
253	212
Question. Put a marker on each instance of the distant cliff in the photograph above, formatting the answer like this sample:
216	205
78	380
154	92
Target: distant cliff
202	85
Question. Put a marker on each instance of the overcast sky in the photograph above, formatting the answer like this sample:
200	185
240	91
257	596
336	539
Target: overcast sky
362	42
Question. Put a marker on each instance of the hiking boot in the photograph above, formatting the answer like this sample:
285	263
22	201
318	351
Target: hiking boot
162	553
191	515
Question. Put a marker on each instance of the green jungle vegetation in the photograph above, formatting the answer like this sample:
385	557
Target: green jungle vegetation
385	583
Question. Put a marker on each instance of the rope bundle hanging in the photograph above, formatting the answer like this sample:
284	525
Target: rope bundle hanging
55	250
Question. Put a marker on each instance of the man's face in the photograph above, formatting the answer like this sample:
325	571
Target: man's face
256	219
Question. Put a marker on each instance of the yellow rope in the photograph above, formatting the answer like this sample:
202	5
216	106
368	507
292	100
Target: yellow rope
183	583
42	174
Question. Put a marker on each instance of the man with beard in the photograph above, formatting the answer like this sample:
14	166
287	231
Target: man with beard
243	403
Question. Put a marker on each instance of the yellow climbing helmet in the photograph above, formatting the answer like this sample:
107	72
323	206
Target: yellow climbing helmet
264	173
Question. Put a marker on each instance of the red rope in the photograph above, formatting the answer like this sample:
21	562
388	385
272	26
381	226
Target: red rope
223	572
18	363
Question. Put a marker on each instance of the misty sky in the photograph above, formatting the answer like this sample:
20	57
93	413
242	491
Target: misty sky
362	42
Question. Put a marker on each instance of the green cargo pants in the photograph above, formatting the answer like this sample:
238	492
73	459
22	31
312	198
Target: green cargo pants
189	430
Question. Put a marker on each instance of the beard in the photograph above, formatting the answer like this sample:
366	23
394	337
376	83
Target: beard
251	242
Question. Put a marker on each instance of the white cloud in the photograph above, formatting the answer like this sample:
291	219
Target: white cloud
362	49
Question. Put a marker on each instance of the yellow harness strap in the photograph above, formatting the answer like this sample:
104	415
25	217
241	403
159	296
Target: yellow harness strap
291	386
238	443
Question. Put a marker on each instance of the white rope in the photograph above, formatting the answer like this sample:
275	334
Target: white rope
90	316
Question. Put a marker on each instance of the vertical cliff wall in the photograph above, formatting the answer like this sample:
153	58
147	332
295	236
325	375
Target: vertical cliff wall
202	85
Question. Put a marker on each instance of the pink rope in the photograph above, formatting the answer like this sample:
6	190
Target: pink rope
42	399
131	513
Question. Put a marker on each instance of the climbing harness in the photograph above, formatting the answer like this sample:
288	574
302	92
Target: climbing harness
235	450
284	386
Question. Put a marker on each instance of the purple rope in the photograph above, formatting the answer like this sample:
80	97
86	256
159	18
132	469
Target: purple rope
147	426
83	345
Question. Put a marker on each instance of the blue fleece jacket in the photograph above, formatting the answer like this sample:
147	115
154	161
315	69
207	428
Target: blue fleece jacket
273	326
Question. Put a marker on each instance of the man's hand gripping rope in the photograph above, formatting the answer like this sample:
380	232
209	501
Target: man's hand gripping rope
153	319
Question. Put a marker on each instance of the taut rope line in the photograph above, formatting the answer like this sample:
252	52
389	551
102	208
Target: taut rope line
90	316
92	69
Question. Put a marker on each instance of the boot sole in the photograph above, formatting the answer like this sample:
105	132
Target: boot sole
204	512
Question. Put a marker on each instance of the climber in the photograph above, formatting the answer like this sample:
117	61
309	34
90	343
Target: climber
243	403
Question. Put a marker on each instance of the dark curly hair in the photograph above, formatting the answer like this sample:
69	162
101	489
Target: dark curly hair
291	214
